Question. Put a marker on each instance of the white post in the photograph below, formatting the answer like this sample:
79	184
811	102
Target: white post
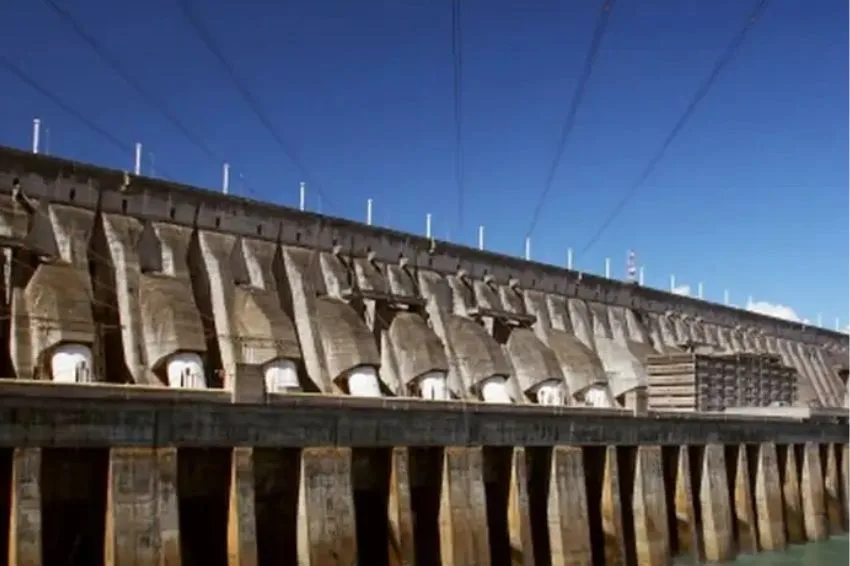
225	182
607	268
726	297
820	320
369	211
481	237
428	225
699	289
36	132
137	168
640	276
528	248
302	195
672	283
837	323
569	258
749	301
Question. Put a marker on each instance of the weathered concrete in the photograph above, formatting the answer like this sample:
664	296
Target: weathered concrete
812	494
25	512
832	489
769	500
715	505
791	495
614	538
687	528
326	528
402	550
652	542
463	508
142	526
569	534
746	523
519	513
241	512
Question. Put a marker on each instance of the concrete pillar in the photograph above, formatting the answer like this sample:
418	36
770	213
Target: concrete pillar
566	510
718	539
612	513
812	494
241	516
744	513
686	522
845	479
652	539
519	516
463	508
401	543
142	521
25	511
832	490
768	498
791	498
326	527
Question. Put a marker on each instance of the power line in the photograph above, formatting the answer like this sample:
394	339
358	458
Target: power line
44	91
578	97
121	71
457	61
213	47
725	58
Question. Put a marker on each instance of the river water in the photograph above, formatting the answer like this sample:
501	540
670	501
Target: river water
833	552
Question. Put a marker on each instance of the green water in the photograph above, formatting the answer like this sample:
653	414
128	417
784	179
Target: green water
833	552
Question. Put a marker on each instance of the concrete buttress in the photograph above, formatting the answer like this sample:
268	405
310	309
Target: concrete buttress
715	505
142	522
241	512
567	512
463	508
746	523
519	513
832	489
613	535
326	525
402	551
768	499
25	510
791	496
812	494
688	530
652	540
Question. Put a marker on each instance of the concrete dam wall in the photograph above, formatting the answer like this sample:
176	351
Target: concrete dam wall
219	381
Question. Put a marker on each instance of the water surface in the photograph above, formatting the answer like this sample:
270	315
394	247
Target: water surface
833	552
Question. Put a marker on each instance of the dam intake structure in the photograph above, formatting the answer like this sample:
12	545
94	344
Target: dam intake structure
201	379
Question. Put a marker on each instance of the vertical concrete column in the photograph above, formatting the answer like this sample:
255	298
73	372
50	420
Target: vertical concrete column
745	515
463	508
652	539
25	511
401	543
241	515
812	494
326	526
142	525
519	516
566	510
687	529
768	498
714	502
832	490
791	498
612	512
845	479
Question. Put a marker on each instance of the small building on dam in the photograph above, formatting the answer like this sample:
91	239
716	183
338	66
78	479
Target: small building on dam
197	379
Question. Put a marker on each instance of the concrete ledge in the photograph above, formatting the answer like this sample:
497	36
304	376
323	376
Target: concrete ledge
798	413
144	417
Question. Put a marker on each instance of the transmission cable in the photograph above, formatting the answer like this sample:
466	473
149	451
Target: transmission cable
457	64
575	104
214	48
25	78
725	58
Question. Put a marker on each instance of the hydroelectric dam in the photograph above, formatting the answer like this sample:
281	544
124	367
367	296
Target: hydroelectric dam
198	379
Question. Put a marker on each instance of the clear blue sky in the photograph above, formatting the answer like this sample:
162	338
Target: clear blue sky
752	196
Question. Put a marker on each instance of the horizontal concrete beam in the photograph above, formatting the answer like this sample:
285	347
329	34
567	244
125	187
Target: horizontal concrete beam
799	413
96	188
47	416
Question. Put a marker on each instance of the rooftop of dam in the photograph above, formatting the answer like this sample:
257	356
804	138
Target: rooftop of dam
116	278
